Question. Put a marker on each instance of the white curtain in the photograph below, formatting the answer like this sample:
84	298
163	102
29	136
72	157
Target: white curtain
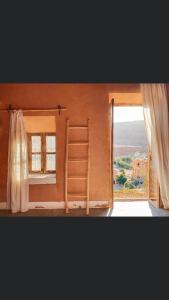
17	184
156	115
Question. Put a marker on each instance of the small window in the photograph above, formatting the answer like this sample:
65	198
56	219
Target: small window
42	153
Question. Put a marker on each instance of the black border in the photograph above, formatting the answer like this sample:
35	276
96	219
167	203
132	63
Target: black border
107	255
116	57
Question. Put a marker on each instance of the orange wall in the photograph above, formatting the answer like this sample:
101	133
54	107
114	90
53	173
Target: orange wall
34	124
82	101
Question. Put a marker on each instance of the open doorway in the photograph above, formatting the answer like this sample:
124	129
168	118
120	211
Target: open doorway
130	154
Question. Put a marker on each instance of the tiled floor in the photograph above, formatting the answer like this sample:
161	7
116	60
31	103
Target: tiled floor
121	209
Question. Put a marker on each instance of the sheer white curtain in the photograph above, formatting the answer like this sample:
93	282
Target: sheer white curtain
17	184
156	115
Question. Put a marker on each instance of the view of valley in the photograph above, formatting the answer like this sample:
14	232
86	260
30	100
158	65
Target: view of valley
130	166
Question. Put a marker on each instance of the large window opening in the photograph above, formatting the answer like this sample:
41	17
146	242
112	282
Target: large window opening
130	154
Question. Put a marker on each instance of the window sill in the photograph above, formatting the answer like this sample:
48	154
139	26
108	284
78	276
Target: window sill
42	179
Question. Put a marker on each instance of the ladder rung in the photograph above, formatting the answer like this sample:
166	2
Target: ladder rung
76	195
77	177
78	127
72	142
77	159
77	143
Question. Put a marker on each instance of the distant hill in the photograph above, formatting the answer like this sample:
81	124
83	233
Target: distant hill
130	134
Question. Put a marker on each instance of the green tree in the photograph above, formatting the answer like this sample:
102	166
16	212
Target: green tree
129	185
121	179
136	182
123	164
126	159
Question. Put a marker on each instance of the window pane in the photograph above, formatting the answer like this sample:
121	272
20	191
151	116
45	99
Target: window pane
36	162
50	162
50	143
36	143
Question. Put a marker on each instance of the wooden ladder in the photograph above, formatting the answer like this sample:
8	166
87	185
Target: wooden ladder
75	160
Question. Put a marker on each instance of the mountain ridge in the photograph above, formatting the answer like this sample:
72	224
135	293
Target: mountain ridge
130	134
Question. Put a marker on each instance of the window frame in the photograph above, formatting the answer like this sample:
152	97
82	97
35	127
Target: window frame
43	152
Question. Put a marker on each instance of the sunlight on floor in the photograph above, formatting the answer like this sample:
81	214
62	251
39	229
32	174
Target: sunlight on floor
132	208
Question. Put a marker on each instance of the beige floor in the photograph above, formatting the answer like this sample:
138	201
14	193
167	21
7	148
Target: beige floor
136	209
121	209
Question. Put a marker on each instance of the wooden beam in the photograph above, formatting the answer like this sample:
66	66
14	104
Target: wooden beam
126	99
66	166
88	170
111	149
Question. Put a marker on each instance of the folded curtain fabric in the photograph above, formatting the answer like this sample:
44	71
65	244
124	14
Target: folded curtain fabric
17	181
156	116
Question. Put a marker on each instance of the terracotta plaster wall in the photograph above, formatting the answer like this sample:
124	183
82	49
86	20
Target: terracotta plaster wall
82	101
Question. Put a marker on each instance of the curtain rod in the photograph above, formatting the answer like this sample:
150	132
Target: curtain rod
59	108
